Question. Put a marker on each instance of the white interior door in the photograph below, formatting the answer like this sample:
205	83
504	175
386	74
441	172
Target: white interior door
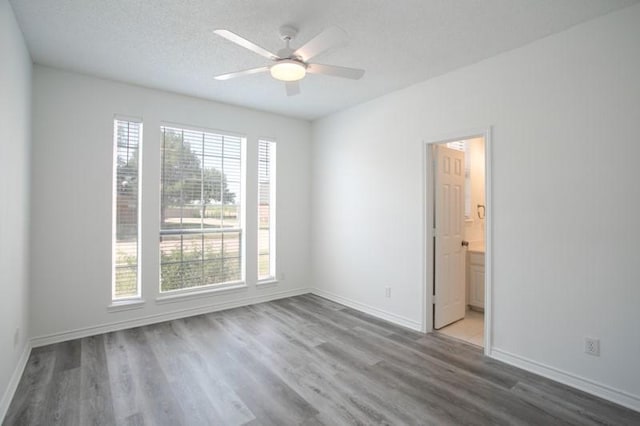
449	262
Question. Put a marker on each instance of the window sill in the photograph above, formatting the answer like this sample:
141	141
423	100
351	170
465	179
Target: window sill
267	282
197	294
125	305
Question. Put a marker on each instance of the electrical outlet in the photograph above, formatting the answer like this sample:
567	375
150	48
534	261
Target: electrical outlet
592	346
387	291
16	337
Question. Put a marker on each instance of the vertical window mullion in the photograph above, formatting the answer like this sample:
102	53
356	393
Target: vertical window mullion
222	202
180	162
203	211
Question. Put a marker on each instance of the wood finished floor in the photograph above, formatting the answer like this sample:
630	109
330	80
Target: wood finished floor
302	360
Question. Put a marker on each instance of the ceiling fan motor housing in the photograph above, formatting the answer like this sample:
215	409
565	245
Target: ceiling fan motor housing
287	33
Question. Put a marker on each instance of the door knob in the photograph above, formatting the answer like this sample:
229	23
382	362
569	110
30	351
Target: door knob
465	243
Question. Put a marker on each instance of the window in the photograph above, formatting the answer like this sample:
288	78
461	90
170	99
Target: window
127	137
266	210
201	231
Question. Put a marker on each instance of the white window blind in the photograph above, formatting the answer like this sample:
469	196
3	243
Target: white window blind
126	187
201	232
266	210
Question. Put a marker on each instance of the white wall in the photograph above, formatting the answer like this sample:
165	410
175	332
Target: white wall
71	198
565	113
15	142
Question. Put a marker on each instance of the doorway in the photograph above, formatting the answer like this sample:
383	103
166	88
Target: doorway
457	238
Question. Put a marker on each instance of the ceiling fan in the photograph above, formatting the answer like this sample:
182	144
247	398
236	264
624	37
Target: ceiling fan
291	65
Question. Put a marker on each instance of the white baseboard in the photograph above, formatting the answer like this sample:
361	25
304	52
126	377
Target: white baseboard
388	316
152	319
7	397
598	389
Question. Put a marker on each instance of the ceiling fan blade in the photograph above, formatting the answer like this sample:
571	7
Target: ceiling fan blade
331	37
235	38
293	88
241	73
352	73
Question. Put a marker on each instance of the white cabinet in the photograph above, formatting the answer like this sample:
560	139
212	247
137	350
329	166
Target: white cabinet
475	274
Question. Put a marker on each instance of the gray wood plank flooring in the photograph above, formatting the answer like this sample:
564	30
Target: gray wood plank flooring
298	361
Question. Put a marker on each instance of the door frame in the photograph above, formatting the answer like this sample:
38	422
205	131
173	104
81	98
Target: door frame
428	234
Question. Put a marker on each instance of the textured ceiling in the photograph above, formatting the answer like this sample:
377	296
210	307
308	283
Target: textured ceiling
170	45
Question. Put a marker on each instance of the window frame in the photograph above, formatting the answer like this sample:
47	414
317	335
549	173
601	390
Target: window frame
196	291
272	212
137	298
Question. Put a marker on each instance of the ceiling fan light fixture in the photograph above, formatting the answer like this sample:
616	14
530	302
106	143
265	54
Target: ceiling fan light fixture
288	70
291	65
